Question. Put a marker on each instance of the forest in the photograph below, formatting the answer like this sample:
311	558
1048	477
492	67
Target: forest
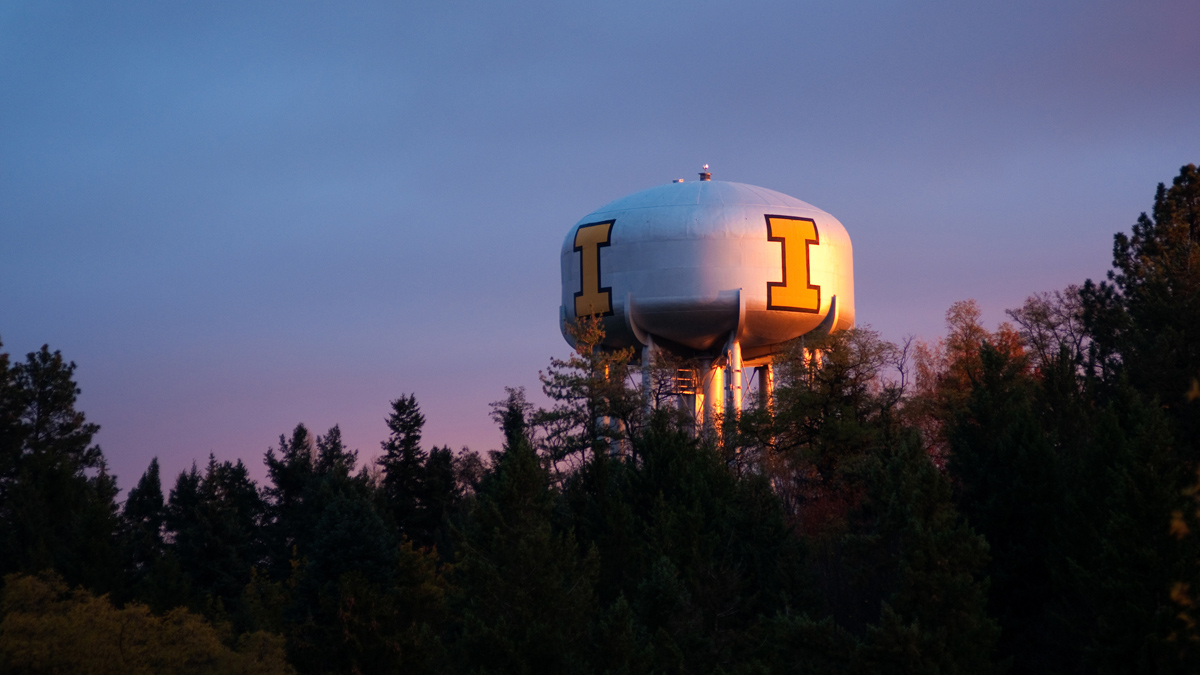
1023	500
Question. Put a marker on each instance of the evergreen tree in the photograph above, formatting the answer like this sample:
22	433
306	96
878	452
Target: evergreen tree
1011	488
524	595
421	488
831	411
290	473
357	602
1054	480
933	619
337	528
896	565
403	464
695	563
152	574
352	599
145	515
440	498
594	407
1145	320
334	459
57	501
12	407
1115	561
215	520
696	566
1184	522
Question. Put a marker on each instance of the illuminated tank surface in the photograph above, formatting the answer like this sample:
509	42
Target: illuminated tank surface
690	263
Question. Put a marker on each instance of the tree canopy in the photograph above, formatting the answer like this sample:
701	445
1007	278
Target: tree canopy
1021	499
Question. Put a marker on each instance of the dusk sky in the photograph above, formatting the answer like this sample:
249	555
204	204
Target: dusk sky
237	217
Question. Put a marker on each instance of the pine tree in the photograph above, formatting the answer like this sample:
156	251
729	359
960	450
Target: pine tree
214	520
594	407
403	464
352	600
1145	320
1068	478
440	498
152	577
1011	489
524	598
896	565
12	407
57	501
1115	562
696	564
290	472
832	409
934	618
334	459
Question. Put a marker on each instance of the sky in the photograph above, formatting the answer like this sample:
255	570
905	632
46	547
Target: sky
236	217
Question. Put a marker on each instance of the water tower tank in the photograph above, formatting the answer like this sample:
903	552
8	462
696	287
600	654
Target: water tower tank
697	266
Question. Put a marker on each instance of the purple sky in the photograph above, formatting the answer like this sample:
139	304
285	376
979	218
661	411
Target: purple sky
236	217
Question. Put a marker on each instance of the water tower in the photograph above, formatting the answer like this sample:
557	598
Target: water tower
722	275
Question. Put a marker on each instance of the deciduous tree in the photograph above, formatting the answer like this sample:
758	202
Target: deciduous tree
47	628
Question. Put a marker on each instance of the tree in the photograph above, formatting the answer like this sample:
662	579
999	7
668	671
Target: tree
403	463
439	499
1144	323
933	618
57	501
897	566
524	595
1011	481
1145	319
12	407
351	599
594	408
512	415
144	516
215	523
48	629
1183	523
357	603
696	562
290	473
1051	323
945	371
420	487
152	574
1069	488
832	408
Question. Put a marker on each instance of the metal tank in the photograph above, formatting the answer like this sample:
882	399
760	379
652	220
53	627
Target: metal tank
721	274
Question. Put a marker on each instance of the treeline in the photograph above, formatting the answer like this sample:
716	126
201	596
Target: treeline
1019	500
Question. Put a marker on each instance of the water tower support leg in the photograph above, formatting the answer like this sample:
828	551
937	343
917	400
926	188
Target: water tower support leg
735	379
766	386
648	375
714	395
